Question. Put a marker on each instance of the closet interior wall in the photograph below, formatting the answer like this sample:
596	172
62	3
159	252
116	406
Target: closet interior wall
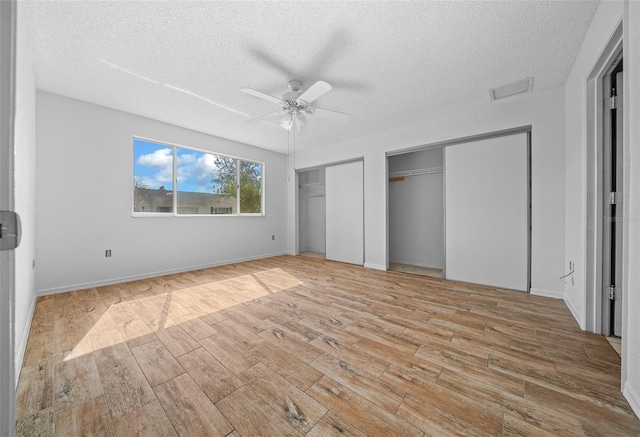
416	208
312	211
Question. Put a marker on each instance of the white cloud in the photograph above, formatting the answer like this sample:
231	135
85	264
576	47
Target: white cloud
186	158
158	159
195	169
165	175
209	161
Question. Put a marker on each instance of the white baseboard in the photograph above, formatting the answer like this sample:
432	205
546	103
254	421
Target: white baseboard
120	280
22	347
375	266
546	293
633	397
574	312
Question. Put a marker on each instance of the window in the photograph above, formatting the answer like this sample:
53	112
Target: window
215	210
153	177
205	183
250	187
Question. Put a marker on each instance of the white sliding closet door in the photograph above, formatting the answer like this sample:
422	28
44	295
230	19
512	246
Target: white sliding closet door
344	196
487	212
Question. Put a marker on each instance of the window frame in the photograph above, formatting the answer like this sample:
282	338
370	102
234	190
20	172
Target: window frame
174	184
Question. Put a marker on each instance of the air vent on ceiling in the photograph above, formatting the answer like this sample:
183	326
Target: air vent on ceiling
510	89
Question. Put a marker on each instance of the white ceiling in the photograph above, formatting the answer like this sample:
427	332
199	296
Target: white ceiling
390	63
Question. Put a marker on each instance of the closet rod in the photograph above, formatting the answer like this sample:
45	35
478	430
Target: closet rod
416	172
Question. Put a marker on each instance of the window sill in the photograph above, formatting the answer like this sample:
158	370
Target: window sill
169	214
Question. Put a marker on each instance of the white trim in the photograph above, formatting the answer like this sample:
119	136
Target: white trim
172	215
467	139
329	164
546	293
8	48
375	266
574	312
22	347
120	280
195	149
610	48
633	397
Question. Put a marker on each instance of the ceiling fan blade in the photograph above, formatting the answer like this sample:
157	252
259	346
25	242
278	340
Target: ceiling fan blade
262	117
333	115
316	90
262	96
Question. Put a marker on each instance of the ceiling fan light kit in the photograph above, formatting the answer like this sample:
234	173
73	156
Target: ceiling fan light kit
296	118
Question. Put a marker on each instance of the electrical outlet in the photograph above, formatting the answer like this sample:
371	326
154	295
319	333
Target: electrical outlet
107	253
273	237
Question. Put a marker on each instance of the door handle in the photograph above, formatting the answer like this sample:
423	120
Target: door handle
10	230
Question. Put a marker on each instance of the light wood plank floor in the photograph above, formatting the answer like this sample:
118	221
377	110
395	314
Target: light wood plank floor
292	346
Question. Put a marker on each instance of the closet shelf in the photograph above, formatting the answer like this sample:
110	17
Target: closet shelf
315	189
416	172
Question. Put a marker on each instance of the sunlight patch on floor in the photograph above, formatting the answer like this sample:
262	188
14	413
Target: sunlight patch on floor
146	315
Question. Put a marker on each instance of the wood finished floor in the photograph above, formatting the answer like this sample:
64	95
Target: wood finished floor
292	346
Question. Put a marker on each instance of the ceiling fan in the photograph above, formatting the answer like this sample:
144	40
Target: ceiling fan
295	105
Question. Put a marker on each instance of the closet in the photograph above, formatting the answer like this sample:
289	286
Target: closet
462	210
331	212
312	213
416	212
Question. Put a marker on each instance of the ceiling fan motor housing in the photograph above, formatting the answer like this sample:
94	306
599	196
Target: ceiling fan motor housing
291	98
295	85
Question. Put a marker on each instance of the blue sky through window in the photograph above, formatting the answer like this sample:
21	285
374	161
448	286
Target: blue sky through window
153	163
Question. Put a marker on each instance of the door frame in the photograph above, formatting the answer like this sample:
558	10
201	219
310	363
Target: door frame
594	205
7	257
612	223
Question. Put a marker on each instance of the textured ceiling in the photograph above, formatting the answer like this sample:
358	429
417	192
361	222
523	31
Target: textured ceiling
390	63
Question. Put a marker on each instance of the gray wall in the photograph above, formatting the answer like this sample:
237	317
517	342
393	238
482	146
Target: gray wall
543	110
416	225
84	196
